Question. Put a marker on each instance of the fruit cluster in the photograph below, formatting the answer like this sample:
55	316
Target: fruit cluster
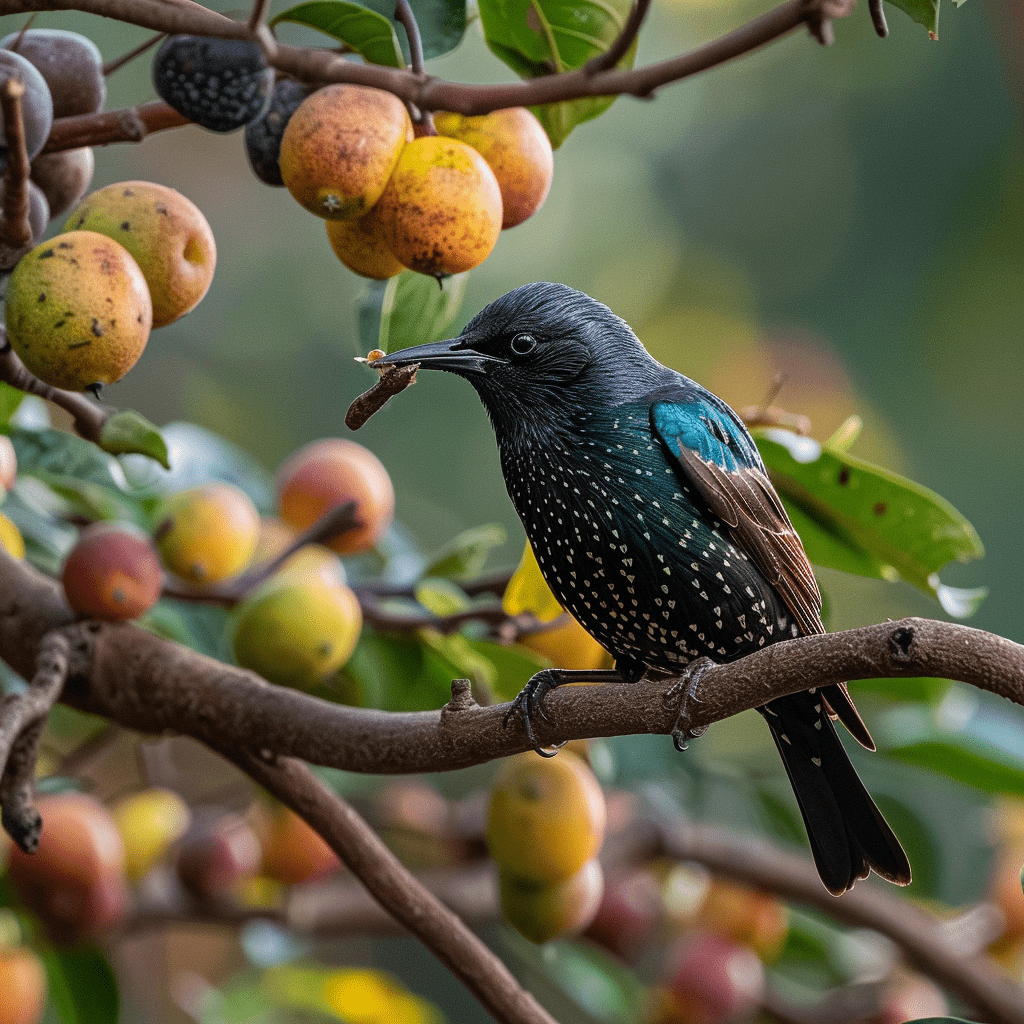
80	306
62	73
430	197
296	626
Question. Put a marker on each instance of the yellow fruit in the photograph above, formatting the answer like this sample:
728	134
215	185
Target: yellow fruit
441	210
276	535
149	822
360	245
10	538
546	817
297	631
340	147
516	148
746	916
78	310
294	851
167	234
545	910
207	534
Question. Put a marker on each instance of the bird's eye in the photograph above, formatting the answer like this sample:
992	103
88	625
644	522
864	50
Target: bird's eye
522	344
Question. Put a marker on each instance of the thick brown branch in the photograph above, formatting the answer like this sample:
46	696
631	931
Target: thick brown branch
395	888
129	124
152	685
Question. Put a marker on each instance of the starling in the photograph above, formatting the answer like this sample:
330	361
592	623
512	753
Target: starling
654	523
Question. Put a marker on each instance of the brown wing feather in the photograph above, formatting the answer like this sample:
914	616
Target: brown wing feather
748	504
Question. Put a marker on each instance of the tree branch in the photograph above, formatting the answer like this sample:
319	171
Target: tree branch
425	92
149	684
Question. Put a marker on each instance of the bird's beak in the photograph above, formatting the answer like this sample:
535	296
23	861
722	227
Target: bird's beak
455	355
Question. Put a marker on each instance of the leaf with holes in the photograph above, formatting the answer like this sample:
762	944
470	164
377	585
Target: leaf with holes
866	520
545	37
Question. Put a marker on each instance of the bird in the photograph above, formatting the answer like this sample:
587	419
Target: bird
655	524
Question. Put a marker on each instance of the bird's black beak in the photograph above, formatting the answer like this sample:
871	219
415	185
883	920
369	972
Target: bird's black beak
456	356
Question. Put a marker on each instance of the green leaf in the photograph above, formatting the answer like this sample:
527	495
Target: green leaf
966	761
869	521
397	673
363	31
127	432
513	666
82	986
463	559
440	596
368	317
60	454
544	37
10	399
415	311
924	12
442	23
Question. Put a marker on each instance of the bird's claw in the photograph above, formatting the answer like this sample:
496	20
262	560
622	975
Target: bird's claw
684	689
530	702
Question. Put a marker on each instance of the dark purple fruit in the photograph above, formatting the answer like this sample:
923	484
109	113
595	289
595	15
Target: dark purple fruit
71	64
221	84
64	177
263	136
36	104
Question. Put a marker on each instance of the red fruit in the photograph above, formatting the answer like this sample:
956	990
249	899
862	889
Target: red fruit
295	852
217	855
75	881
630	914
22	987
8	463
710	980
112	573
331	472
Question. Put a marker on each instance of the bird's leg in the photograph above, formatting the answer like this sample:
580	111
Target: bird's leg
685	687
530	700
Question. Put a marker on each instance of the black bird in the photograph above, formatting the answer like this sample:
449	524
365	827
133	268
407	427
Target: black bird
654	523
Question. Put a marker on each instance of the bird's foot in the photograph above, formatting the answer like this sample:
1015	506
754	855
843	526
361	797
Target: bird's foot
684	689
530	702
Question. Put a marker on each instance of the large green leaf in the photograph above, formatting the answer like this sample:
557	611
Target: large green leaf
545	37
58	453
442	23
463	559
82	986
416	311
363	31
966	761
866	520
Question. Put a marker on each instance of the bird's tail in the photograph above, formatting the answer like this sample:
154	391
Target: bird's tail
848	835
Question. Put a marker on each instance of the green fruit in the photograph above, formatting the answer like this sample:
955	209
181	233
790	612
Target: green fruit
544	910
78	310
297	631
165	232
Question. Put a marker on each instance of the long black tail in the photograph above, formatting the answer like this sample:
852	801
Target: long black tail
848	835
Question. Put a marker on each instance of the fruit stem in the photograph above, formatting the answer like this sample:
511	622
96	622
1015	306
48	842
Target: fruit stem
405	17
615	52
119	62
15	229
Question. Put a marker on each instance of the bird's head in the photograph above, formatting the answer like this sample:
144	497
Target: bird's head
540	349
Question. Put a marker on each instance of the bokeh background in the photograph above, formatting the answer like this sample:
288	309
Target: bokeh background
851	217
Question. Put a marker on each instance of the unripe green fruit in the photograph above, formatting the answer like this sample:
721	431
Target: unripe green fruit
78	310
540	911
297	631
165	232
546	817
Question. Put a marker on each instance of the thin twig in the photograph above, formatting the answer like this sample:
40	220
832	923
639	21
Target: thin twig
119	62
22	720
405	17
618	49
88	417
128	124
878	17
15	229
258	15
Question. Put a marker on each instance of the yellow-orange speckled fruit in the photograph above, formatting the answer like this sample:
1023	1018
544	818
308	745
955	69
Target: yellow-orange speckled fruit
441	209
165	232
78	310
361	246
517	149
340	147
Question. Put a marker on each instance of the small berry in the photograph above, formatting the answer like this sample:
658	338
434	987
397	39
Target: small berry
263	136
36	104
71	64
221	84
